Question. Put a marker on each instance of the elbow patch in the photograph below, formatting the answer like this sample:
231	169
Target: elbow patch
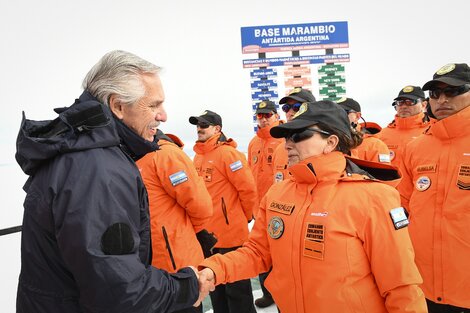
117	240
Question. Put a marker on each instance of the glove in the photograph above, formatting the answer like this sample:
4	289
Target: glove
207	241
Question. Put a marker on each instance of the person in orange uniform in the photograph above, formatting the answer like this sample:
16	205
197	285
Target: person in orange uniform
410	121
335	235
436	191
261	147
290	105
233	191
180	205
372	148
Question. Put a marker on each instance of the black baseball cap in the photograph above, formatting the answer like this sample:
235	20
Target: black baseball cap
410	92
266	106
299	94
453	74
207	117
349	104
311	113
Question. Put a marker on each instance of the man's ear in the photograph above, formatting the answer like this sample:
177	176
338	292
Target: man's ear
331	143
116	107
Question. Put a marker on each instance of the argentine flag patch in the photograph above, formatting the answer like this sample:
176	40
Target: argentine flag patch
235	166
178	178
399	218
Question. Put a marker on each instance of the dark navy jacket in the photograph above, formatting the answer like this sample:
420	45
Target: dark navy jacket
85	243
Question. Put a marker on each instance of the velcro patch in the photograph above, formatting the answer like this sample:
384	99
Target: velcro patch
431	168
178	178
117	240
235	166
399	218
384	158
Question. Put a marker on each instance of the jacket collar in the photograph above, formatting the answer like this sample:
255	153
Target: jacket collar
131	143
415	121
454	126
212	143
319	168
264	132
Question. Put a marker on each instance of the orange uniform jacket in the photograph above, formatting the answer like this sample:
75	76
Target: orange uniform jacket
280	163
260	158
336	249
401	131
179	202
372	148
231	186
436	191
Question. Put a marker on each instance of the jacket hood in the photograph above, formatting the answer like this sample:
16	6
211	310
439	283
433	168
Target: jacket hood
86	124
212	143
370	128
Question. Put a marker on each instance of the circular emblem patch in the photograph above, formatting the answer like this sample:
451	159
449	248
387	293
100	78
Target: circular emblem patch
408	89
342	99
262	105
276	227
295	90
446	69
278	177
423	183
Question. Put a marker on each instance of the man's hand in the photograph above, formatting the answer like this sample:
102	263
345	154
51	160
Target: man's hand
206	279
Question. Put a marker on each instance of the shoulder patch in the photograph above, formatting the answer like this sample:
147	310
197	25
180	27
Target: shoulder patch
117	240
384	158
178	178
235	166
399	218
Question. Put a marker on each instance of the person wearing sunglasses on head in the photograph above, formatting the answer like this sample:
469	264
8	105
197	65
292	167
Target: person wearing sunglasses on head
334	233
372	148
232	187
410	121
436	191
290	105
262	145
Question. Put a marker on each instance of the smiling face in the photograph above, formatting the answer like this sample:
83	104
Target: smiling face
445	106
145	116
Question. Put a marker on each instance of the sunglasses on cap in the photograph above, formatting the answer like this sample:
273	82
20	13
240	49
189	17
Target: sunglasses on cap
304	134
405	102
265	115
203	125
449	92
295	107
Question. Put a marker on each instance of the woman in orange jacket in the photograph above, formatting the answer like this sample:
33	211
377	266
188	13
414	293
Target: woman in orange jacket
334	234
180	204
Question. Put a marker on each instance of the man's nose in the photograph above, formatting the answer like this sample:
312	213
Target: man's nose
161	116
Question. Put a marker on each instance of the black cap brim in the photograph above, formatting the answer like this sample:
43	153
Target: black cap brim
411	97
446	80
197	119
284	100
281	131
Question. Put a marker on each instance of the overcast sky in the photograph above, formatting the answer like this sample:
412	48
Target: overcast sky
48	46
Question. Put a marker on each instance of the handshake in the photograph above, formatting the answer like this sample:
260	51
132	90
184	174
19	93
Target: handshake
206	280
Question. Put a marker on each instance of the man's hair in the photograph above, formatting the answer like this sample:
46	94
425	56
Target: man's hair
118	73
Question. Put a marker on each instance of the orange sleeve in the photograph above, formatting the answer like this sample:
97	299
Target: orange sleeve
181	181
391	256
406	186
240	176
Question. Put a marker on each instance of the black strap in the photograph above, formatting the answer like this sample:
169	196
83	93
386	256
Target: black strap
10	230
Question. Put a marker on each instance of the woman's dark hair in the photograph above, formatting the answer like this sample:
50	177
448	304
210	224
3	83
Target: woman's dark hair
345	144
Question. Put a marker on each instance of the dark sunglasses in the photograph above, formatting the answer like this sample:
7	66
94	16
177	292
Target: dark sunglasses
295	107
203	125
304	134
265	115
448	91
406	102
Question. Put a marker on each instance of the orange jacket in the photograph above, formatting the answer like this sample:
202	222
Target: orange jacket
372	148
179	202
260	158
280	163
401	131
231	186
436	191
336	250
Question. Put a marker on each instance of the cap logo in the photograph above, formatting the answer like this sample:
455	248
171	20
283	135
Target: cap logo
342	99
302	109
408	89
446	69
262	105
203	113
295	90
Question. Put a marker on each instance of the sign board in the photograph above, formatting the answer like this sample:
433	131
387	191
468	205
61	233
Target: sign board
263	72
262	95
273	38
330	80
263	84
328	68
298	82
296	71
332	90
